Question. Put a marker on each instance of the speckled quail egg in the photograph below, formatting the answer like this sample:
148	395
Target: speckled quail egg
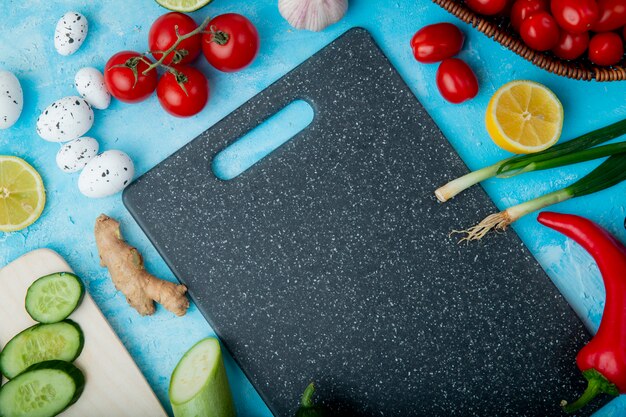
11	99
66	119
70	33
106	174
74	155
90	85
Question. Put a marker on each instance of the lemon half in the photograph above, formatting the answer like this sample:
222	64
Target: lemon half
183	5
524	117
22	194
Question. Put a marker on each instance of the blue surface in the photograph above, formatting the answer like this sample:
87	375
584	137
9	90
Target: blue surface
148	135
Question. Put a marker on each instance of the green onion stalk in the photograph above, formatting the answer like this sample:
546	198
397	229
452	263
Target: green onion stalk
611	172
567	153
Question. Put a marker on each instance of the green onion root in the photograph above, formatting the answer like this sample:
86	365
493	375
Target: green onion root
609	173
500	221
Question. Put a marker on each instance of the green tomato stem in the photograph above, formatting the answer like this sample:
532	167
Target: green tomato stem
179	39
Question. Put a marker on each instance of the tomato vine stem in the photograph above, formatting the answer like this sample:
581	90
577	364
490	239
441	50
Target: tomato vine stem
180	38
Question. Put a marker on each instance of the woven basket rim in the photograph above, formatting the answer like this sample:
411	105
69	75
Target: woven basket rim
569	69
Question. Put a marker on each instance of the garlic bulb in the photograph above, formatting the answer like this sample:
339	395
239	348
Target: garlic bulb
312	15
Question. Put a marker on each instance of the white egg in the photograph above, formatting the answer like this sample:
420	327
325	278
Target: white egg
90	85
64	120
74	155
70	33
106	174
11	99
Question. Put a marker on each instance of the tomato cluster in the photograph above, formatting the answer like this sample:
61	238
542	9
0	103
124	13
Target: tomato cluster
229	42
567	28
440	42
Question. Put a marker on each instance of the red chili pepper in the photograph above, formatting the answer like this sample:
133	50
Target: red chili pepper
603	360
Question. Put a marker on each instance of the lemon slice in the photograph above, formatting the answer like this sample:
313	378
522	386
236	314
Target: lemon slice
183	5
524	117
22	194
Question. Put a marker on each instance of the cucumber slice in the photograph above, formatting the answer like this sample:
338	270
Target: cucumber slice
43	390
54	297
42	342
199	385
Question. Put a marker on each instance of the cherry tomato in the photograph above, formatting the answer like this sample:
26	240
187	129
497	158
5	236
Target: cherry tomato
571	45
232	44
183	92
523	8
612	15
507	9
540	31
434	43
124	77
606	48
487	7
163	35
575	16
456	81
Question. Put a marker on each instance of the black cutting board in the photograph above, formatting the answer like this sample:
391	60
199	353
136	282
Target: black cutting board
329	260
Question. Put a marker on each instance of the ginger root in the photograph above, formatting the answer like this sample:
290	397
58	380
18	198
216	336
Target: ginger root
129	276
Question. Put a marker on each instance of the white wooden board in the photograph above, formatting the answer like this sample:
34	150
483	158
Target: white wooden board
114	385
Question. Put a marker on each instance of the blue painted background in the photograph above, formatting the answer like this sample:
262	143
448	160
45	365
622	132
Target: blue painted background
148	135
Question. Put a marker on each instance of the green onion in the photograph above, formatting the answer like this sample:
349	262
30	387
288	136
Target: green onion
454	187
611	172
510	169
522	163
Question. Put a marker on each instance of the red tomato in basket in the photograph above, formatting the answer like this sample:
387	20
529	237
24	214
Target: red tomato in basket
611	15
575	16
524	8
540	31
434	43
571	45
456	81
606	48
487	7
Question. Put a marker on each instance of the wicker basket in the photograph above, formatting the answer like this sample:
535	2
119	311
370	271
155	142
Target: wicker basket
501	31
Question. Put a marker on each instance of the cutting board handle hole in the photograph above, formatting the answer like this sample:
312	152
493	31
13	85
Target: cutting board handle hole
265	138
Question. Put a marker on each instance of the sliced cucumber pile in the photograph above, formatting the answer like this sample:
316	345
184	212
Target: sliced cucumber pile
199	385
54	297
43	382
43	390
41	342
